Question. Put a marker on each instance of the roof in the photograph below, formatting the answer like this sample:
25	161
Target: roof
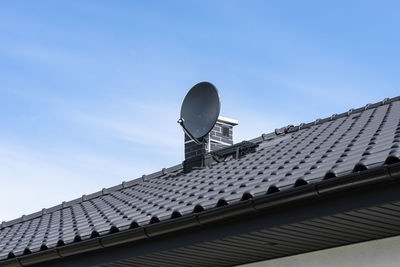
345	143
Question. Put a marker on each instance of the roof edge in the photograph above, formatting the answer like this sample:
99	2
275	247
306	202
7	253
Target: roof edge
280	200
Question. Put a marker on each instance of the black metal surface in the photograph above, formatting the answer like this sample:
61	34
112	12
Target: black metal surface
238	150
200	110
197	162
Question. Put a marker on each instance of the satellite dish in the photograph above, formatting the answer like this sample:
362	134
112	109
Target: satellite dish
200	111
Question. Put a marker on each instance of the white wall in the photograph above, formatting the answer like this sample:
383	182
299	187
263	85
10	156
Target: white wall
382	253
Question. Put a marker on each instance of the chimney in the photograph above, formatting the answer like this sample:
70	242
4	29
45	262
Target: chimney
219	137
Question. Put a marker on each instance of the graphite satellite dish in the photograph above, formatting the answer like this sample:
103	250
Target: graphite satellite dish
200	111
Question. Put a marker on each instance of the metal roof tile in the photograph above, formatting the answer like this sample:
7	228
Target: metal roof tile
308	153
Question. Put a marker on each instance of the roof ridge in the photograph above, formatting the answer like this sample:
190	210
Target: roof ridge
164	171
290	129
344	114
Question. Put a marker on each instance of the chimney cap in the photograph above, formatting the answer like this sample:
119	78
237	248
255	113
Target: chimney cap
228	120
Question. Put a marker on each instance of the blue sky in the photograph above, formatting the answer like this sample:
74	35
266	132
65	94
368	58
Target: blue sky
90	91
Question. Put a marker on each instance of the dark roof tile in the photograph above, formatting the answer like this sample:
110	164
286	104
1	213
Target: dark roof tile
349	142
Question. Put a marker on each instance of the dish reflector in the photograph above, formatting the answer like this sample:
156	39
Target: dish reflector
200	110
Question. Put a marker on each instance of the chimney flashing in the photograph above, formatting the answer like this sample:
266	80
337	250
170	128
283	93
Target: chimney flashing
221	136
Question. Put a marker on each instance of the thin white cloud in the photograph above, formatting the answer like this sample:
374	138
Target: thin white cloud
141	123
31	182
330	93
43	55
34	180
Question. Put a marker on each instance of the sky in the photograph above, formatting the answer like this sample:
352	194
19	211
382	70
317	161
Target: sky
90	91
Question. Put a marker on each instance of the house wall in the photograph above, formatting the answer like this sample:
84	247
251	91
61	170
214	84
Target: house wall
383	252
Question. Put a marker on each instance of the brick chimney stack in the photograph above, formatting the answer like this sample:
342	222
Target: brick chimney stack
219	137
